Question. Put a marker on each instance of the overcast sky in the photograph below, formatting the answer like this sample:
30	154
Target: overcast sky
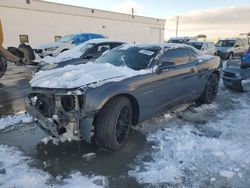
215	18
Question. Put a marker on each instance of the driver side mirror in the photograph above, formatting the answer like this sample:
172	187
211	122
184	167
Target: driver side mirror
164	66
236	46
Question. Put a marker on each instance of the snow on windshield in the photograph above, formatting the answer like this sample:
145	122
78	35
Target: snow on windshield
73	76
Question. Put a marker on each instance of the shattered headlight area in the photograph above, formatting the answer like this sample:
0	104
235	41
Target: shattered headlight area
58	113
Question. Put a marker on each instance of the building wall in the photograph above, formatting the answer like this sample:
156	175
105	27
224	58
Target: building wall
42	21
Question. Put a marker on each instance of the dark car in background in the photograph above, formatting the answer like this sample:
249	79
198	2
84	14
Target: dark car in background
100	101
88	51
236	71
229	48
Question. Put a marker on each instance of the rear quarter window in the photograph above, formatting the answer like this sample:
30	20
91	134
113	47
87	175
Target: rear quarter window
178	56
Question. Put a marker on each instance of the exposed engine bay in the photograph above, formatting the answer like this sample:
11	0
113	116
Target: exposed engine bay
61	114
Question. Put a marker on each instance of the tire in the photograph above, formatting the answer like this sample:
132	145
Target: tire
211	90
113	123
230	56
3	66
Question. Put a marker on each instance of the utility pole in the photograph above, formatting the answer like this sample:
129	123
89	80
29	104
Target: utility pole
177	25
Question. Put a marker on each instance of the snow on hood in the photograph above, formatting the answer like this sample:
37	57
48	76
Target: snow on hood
49	45
74	76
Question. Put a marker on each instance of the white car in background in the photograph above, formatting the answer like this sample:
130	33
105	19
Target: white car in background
207	48
65	43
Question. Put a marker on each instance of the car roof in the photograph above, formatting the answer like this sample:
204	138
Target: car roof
158	45
103	40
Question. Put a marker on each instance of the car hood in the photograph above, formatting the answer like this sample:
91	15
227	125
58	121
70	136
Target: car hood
49	45
223	49
75	76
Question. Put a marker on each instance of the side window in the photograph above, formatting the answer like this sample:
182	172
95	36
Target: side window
206	46
237	43
80	39
193	54
114	45
102	48
177	56
242	43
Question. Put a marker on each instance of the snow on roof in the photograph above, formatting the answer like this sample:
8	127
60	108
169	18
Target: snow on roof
102	40
75	52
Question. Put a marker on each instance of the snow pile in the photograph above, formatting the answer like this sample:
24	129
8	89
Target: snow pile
83	74
15	172
10	121
191	154
73	53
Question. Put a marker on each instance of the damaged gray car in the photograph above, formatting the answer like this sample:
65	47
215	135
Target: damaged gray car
99	102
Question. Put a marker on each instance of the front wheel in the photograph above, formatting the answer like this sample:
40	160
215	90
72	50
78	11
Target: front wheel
211	90
113	123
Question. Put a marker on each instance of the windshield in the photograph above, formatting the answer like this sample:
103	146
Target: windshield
85	48
225	43
197	45
134	57
66	38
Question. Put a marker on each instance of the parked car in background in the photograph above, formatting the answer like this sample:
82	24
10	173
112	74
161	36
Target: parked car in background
81	54
100	101
65	43
182	40
245	63
207	48
235	72
229	48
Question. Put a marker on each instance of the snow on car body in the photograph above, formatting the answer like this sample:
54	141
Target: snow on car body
83	53
98	102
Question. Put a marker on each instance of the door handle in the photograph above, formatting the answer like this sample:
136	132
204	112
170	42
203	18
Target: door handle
192	70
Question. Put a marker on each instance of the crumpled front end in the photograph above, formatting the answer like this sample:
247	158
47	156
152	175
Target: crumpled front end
59	113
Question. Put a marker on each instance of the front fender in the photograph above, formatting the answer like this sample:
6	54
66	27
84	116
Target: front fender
98	97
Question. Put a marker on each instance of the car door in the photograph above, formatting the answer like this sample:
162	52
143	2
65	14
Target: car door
176	82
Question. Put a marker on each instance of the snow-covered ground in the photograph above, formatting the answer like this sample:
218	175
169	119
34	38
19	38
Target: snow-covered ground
9	122
16	172
205	146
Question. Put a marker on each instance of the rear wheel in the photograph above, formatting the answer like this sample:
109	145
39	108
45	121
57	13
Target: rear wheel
113	123
211	90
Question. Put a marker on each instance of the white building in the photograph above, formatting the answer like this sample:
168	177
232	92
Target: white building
42	21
